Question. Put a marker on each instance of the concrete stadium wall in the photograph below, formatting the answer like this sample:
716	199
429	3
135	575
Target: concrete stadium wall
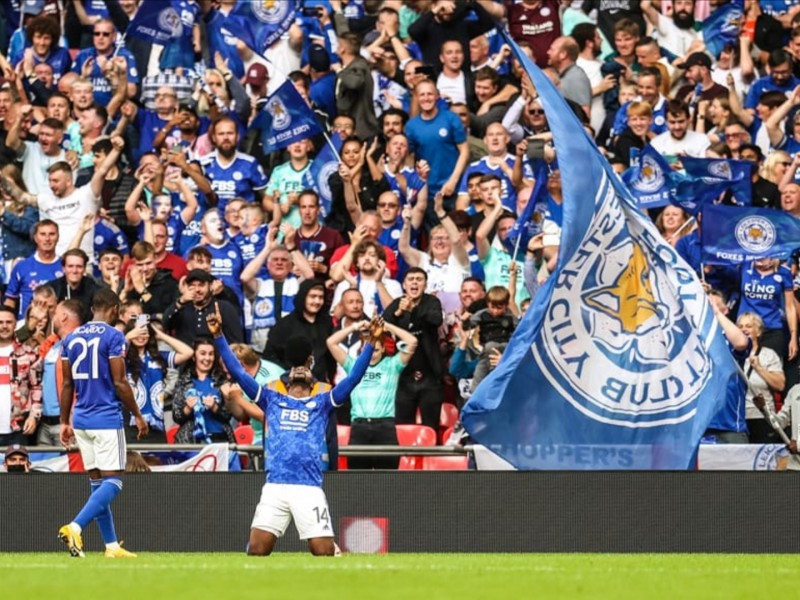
434	512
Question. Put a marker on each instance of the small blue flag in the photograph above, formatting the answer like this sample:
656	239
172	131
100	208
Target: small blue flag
286	118
325	164
737	234
525	226
727	173
723	26
619	363
158	22
649	181
260	23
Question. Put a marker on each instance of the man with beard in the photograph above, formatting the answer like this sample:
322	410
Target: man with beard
183	129
377	290
232	174
186	317
308	320
676	34
780	79
678	139
226	258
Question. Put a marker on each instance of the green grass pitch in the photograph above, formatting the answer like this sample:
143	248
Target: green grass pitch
413	576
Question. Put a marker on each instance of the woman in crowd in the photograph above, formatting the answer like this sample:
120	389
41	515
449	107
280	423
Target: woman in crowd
372	401
147	367
764	371
671	224
198	403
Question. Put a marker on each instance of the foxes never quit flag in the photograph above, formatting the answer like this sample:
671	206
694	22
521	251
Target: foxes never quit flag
286	118
158	22
619	363
736	234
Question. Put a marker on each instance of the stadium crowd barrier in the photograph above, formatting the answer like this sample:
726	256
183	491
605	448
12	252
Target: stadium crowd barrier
426	511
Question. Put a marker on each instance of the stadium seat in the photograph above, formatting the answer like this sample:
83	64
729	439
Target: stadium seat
343	433
171	433
445	463
244	435
449	416
414	435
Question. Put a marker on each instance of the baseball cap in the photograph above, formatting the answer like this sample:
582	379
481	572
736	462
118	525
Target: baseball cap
199	275
318	58
696	58
16	449
257	74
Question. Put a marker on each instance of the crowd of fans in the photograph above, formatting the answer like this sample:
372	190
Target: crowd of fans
141	168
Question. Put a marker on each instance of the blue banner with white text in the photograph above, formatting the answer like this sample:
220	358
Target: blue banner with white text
737	234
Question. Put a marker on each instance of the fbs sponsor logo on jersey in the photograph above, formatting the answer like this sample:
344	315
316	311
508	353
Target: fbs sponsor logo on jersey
294	419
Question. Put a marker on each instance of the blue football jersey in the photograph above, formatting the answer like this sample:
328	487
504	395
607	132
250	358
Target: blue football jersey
296	426
27	275
89	350
227	265
240	179
251	245
148	390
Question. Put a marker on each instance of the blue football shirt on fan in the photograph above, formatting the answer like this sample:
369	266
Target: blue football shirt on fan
89	350
240	179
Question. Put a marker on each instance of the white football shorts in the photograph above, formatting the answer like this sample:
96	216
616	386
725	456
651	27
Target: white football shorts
281	502
103	449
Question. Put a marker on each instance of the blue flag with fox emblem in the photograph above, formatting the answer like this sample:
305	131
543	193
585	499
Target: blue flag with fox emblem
619	363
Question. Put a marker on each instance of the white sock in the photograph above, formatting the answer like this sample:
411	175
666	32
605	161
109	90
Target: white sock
76	528
112	545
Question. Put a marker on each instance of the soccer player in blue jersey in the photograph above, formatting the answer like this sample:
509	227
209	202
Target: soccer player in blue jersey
94	387
296	413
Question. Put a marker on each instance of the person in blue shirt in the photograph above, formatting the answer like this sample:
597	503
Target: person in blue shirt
296	412
93	389
99	57
147	369
780	79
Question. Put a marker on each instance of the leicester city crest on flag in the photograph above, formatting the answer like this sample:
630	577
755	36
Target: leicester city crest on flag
755	233
619	363
170	21
281	119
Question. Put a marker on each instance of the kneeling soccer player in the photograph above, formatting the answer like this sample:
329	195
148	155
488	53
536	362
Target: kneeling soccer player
297	420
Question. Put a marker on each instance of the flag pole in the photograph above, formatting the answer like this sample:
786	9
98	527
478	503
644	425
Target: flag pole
331	145
681	228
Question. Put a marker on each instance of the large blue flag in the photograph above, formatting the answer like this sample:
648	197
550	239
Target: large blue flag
737	234
526	226
619	363
723	26
326	162
158	22
286	118
260	23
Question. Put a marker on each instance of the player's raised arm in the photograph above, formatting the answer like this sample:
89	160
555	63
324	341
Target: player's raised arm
240	376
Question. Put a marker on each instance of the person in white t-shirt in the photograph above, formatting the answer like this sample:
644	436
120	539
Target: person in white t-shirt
678	140
676	34
67	205
378	290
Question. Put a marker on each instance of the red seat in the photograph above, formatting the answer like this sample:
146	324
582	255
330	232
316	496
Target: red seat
343	434
449	415
244	435
414	435
171	433
445	463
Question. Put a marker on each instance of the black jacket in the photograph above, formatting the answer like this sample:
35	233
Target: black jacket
423	321
85	293
296	325
188	323
163	290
